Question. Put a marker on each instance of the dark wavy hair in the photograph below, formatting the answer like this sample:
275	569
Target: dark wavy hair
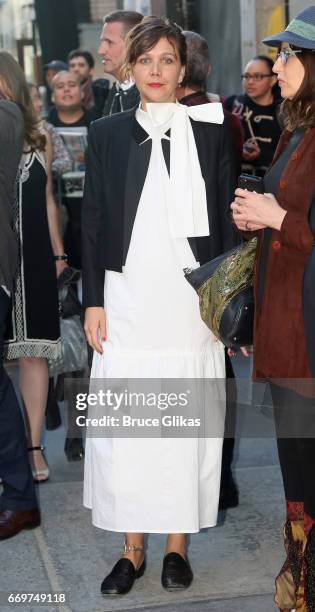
13	86
300	111
144	36
198	61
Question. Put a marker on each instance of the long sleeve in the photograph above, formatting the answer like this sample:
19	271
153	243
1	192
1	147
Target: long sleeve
11	144
296	232
93	202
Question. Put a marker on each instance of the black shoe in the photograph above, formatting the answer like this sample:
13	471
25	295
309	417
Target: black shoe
122	577
74	449
13	521
228	494
176	573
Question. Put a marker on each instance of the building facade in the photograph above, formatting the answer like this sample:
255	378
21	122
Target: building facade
234	29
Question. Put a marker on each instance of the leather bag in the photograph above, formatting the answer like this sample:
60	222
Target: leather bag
225	289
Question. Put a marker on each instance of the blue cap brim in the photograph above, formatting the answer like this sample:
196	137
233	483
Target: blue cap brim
290	38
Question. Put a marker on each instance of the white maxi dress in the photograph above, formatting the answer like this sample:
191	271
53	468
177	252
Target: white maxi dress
154	485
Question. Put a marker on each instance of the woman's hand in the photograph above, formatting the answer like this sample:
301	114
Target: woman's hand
95	327
60	267
252	211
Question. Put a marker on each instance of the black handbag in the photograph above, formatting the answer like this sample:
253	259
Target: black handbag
225	289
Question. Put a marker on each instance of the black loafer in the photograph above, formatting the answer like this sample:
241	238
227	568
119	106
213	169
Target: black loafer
120	580
176	573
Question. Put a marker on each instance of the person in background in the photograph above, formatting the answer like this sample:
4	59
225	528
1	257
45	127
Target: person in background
284	282
258	109
50	70
94	92
72	122
61	161
33	332
18	502
123	94
67	98
192	92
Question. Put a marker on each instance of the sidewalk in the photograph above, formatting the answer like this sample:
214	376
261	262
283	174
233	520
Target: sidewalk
234	564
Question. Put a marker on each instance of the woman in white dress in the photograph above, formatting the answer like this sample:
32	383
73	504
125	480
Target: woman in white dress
157	191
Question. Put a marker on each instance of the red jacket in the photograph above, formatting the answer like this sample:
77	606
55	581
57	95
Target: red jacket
280	336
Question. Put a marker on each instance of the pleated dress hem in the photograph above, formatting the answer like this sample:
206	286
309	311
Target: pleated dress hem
146	530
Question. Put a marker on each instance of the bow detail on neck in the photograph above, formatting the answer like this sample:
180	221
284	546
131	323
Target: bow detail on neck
187	198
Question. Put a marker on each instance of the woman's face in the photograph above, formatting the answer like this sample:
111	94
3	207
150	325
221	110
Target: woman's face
290	75
158	72
36	99
258	80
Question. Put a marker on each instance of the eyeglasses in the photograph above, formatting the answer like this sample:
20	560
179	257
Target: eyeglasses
256	77
285	54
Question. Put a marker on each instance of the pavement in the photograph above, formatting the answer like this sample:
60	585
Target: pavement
234	563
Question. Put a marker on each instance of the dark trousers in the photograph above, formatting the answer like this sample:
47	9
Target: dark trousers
295	416
18	486
229	442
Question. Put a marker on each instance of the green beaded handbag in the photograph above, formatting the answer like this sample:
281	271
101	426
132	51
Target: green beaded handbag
225	289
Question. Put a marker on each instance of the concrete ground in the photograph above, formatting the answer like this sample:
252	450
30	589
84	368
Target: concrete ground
234	564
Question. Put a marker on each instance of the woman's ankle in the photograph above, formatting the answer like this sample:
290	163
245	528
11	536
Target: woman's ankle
134	549
176	543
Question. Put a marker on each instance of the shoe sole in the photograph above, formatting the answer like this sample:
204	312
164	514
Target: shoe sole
174	589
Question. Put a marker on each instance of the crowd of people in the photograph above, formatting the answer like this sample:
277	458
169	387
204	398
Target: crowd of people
128	184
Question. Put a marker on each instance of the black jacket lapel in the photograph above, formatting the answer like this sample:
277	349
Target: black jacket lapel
117	160
137	168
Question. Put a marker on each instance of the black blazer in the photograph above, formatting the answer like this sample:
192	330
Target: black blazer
115	174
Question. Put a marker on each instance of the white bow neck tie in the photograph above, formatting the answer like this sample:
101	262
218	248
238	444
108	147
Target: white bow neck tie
187	198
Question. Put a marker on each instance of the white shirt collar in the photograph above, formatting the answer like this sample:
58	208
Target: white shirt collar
125	85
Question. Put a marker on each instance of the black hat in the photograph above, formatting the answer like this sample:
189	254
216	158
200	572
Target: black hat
300	31
57	65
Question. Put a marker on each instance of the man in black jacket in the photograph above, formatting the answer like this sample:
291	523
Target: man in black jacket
18	503
124	95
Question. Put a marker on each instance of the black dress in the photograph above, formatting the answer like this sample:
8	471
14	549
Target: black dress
33	329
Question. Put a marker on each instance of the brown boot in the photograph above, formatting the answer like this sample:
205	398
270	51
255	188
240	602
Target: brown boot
289	586
309	563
